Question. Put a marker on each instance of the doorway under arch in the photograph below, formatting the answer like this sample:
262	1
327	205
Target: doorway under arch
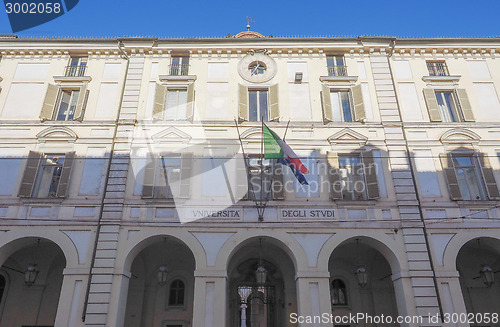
360	280
161	289
478	264
31	301
262	290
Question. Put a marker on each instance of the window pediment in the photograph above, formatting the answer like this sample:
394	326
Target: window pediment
57	134
171	135
347	136
460	135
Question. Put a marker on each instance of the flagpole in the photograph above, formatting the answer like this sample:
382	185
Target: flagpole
244	158
286	130
260	212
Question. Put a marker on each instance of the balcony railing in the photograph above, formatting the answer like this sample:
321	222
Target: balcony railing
179	69
337	70
437	69
75	71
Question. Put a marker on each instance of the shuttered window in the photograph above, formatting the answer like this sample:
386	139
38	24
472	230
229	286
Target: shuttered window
64	104
342	105
173	103
47	176
469	176
448	105
168	176
353	176
258	104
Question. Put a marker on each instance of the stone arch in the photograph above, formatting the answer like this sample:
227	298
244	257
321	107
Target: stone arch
383	243
280	239
14	240
143	239
459	240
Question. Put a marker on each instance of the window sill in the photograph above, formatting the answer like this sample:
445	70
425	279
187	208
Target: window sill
339	79
72	79
354	203
442	79
41	200
478	203
178	78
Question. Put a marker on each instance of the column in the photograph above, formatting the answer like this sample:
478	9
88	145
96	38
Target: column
313	292
210	298
71	298
450	290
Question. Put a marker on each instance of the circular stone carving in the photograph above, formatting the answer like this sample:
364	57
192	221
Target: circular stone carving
257	68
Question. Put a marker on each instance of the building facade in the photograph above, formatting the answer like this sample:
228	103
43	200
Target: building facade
134	192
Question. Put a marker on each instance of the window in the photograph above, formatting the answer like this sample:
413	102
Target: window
336	66
49	176
469	176
258	104
46	175
338	292
179	65
64	104
68	100
451	105
257	67
260	175
257	100
447	106
176	104
353	176
167	176
343	105
173	103
77	67
437	68
167	179
176	293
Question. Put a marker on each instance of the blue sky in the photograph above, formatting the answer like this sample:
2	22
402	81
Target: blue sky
217	18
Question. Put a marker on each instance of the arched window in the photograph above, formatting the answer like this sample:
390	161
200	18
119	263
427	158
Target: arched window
176	295
338	292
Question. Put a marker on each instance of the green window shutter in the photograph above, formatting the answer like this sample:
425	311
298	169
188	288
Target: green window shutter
186	173
81	103
243	103
274	112
432	105
465	105
190	102
358	104
451	177
158	106
29	177
334	176
242	179
489	177
149	177
62	189
278	187
327	104
49	102
370	170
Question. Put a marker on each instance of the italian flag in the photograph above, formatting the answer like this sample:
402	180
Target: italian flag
276	148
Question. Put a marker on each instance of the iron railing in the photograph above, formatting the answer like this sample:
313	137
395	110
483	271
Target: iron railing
337	70
179	69
437	68
75	71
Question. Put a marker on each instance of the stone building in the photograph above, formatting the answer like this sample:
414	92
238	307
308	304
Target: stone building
125	199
